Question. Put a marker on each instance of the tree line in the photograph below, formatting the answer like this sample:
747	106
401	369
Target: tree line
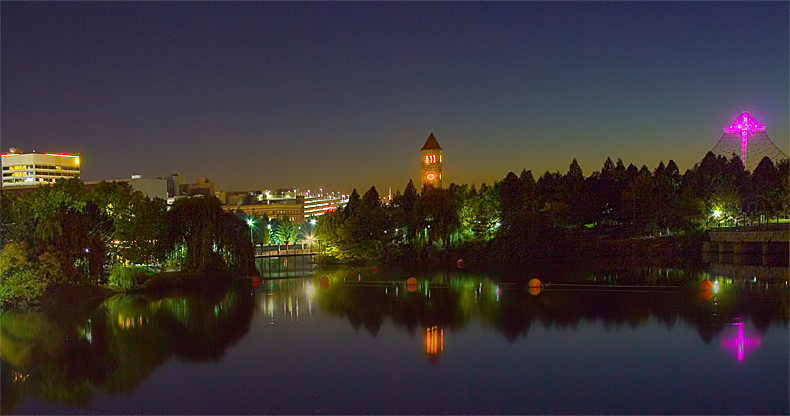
523	217
67	233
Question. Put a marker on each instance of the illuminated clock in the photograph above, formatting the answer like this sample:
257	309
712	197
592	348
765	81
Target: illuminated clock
430	176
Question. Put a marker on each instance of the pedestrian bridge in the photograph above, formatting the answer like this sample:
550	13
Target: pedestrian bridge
766	239
286	250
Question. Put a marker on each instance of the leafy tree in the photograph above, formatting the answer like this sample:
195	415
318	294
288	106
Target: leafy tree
207	236
486	215
666	197
401	213
23	280
574	195
725	204
766	189
437	215
354	201
638	205
285	231
528	187
512	198
148	232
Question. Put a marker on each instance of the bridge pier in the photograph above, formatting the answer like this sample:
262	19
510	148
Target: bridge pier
710	246
768	245
746	259
726	247
774	248
726	257
776	254
746	247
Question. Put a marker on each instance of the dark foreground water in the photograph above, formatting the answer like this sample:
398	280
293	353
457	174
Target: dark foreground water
626	341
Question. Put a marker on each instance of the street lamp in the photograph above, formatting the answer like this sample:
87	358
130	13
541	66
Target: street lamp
251	223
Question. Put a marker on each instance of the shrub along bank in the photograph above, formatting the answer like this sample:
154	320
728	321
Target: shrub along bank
67	234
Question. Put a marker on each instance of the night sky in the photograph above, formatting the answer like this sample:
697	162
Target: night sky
341	95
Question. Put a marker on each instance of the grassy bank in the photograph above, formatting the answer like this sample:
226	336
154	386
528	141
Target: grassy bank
72	296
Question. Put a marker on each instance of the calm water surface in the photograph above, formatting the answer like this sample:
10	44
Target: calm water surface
346	340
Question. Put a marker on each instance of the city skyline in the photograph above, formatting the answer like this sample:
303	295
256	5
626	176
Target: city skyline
341	96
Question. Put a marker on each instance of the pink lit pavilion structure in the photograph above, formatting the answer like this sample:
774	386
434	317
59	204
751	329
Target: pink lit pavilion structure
746	138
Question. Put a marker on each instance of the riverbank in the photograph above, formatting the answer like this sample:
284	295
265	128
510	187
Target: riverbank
180	282
169	283
574	245
71	297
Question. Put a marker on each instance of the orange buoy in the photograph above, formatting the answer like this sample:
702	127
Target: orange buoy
706	290
411	284
324	282
256	281
534	287
460	263
374	269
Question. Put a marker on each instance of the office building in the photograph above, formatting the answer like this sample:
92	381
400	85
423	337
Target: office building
26	169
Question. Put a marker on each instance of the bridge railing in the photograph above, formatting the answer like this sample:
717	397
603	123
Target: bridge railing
285	250
748	221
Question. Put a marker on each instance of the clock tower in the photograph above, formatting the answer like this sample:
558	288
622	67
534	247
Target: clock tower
431	165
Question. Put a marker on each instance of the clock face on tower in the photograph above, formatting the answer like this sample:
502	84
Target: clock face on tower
431	163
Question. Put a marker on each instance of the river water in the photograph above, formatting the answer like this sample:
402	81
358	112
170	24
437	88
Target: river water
590	340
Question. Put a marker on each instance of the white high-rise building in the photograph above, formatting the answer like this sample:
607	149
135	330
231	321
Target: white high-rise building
26	169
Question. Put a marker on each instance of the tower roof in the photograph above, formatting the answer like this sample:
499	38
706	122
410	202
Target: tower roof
431	143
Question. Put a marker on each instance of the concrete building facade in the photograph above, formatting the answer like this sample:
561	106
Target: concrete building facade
26	169
293	203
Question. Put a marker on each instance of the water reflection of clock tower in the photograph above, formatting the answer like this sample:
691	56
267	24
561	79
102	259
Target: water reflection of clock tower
431	166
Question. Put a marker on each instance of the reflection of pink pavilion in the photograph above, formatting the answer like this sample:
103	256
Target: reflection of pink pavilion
747	138
740	344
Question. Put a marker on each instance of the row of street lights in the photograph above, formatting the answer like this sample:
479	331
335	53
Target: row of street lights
310	238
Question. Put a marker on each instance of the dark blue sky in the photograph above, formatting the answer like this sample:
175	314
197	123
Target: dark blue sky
340	95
